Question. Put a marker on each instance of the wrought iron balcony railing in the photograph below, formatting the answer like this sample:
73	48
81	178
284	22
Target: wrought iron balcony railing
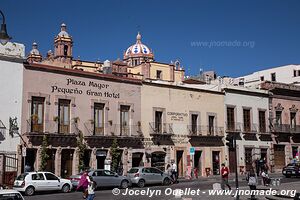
108	129
249	128
51	126
233	126
286	128
194	130
161	128
205	130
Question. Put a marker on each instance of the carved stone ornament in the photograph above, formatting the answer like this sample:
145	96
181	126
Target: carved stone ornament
293	108
279	107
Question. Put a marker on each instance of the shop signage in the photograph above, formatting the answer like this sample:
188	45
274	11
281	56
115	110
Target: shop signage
90	88
176	116
100	153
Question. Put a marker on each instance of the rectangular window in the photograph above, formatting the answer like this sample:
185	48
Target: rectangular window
158	74
298	72
194	123
211	122
247	121
98	119
295	73
124	120
230	119
37	114
278	117
158	121
293	120
64	116
262	78
273	76
262	121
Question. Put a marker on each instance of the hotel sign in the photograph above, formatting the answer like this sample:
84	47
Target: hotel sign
176	116
90	88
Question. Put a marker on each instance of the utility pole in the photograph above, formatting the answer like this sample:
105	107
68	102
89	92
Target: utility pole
236	170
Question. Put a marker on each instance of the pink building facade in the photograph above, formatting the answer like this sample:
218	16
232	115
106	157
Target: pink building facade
284	105
64	103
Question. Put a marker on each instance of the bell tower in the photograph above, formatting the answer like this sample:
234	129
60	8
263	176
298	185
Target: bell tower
63	44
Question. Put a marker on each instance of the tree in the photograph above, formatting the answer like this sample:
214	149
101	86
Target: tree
81	149
44	156
115	154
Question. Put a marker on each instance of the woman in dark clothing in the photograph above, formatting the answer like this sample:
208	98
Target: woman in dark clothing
252	182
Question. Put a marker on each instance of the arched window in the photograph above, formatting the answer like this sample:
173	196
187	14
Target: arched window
65	50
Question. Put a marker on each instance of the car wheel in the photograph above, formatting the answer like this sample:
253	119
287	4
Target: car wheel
166	181
124	184
29	191
141	183
65	188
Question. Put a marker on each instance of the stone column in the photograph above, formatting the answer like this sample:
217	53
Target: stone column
288	153
58	161
125	161
75	163
38	158
93	159
19	156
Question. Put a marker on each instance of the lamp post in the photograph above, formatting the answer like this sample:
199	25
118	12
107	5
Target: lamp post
4	37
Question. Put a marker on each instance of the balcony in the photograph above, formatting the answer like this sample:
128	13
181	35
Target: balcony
194	130
161	128
51	127
56	135
233	127
205	130
295	129
205	135
282	128
108	129
249	128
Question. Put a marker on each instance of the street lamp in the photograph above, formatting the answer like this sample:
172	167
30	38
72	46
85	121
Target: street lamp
4	37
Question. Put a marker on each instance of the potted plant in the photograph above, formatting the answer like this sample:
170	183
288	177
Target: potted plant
56	118
34	117
76	120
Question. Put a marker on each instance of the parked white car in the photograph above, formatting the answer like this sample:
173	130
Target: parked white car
31	182
10	194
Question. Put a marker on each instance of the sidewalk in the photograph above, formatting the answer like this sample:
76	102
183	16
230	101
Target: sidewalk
231	177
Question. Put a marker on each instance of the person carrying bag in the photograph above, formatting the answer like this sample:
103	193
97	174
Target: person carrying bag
252	182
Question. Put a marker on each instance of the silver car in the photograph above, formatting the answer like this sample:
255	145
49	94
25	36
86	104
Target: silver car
103	178
148	175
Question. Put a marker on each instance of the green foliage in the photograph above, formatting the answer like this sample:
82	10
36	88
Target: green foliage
81	149
115	154
44	156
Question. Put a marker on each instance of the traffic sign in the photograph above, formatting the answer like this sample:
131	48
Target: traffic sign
24	151
192	150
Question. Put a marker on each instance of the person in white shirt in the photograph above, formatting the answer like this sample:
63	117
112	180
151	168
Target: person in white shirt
174	171
91	188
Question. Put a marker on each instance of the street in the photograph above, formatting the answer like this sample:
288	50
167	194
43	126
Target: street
106	194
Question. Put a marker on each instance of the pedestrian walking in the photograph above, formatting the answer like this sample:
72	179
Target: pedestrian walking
257	166
83	184
265	177
252	182
91	188
224	175
174	171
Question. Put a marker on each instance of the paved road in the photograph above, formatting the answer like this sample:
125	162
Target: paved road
106	194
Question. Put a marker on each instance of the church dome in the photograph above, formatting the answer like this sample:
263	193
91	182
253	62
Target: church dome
34	50
63	31
138	49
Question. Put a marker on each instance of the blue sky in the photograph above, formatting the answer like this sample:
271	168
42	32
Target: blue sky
231	37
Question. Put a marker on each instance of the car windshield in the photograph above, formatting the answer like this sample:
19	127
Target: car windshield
133	170
21	177
11	196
